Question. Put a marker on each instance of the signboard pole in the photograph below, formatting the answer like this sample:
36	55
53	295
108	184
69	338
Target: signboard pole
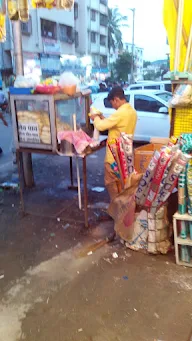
18	59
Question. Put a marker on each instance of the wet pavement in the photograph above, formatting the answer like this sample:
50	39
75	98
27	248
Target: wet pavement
57	282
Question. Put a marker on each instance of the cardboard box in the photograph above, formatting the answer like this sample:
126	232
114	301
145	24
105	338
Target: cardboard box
143	155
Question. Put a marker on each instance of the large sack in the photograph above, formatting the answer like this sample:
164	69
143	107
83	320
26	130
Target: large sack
139	236
158	232
122	208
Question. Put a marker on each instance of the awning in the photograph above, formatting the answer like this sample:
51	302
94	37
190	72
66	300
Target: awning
170	13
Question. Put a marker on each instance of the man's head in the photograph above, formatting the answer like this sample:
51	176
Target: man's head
117	97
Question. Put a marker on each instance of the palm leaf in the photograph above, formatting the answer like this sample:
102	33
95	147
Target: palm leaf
115	22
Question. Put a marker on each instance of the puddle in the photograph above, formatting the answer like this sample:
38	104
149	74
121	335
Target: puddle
98	189
93	156
99	205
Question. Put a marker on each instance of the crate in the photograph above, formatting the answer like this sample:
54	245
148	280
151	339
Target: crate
143	155
20	91
183	121
180	241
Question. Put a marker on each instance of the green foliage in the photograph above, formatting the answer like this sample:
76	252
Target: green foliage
123	66
151	75
115	22
146	63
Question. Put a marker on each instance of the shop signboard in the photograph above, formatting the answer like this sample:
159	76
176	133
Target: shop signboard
51	46
50	63
29	132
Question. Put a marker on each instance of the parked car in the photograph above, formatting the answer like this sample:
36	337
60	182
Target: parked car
147	85
152	110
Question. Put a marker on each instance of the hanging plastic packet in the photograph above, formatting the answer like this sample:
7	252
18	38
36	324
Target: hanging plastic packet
12	7
66	4
2	21
2	28
23	9
49	4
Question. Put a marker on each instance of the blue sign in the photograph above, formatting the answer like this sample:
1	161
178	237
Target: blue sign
100	70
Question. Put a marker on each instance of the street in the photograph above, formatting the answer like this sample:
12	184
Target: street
55	284
6	143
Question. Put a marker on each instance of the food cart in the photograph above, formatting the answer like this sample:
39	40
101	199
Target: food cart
37	119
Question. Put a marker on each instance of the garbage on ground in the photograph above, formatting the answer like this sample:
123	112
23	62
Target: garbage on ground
58	219
115	255
2	276
156	315
80	330
89	253
65	227
125	278
9	185
52	234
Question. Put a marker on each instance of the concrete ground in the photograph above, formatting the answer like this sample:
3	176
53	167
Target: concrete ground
53	288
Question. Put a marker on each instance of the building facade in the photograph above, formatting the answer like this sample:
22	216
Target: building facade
91	18
138	56
49	35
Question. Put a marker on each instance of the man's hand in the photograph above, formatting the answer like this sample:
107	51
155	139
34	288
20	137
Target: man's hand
4	121
92	116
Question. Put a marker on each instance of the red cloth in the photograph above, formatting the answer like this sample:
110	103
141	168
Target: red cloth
79	139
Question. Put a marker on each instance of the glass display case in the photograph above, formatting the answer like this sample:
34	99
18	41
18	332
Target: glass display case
38	118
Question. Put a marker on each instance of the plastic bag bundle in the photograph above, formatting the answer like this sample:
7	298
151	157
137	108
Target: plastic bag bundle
25	82
169	182
68	82
186	143
161	167
145	182
127	146
23	9
182	96
122	151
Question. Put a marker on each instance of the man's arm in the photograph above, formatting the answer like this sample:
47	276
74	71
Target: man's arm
106	123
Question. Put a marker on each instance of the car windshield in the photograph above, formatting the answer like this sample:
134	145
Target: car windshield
165	96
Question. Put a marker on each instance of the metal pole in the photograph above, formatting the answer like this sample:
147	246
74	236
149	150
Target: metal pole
18	58
133	43
85	192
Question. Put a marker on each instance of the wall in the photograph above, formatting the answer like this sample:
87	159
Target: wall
33	44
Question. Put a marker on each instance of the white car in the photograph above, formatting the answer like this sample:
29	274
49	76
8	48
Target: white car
152	110
149	85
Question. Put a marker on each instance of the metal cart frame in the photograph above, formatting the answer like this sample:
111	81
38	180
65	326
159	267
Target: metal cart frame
52	149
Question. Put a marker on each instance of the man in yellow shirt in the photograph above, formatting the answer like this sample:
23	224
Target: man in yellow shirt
124	120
